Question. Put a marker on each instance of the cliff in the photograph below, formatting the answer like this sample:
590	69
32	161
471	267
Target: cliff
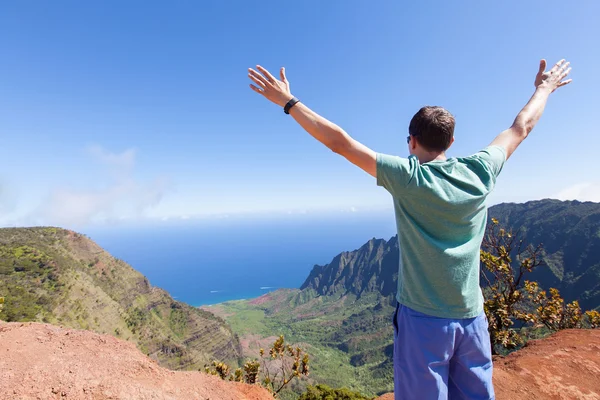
61	277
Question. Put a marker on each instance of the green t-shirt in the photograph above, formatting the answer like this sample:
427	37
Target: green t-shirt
441	217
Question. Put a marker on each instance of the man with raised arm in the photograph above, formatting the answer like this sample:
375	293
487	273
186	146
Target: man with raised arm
441	341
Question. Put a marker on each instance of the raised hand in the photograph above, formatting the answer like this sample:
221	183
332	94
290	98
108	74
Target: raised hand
553	79
277	91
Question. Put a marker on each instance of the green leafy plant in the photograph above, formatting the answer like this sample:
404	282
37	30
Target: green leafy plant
504	289
551	311
324	392
274	372
220	369
593	317
509	298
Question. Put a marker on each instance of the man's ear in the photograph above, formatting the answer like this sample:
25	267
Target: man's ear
413	143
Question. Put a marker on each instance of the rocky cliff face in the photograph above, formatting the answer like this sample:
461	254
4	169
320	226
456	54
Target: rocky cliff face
42	361
61	277
372	268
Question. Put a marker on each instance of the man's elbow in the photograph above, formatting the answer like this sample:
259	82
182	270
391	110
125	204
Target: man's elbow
521	129
339	147
522	126
335	147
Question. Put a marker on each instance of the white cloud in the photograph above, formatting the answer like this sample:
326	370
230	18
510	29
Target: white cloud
120	161
124	198
587	191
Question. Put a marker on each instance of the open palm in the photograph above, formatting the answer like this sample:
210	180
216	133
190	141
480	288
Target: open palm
554	78
275	90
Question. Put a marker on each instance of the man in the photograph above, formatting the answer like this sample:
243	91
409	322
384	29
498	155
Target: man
441	342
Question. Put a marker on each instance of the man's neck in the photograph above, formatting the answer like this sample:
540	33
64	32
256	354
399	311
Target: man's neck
426	157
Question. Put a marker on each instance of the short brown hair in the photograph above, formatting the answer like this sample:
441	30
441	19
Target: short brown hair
433	127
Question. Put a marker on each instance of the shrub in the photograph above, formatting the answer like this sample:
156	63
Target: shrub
593	317
282	366
509	298
324	392
504	298
551	311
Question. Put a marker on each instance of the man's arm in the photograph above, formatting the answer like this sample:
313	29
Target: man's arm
545	83
326	132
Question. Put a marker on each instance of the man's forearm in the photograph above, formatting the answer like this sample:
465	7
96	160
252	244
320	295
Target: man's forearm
320	128
545	82
511	138
533	110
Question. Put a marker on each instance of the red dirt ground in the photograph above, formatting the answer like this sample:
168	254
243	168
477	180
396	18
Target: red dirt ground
40	361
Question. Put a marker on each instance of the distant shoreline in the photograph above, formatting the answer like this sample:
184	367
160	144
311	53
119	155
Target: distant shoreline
262	290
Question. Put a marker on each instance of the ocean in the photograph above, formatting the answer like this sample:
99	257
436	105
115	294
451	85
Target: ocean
204	262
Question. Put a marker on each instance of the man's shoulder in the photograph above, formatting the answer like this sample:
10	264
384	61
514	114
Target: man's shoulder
488	161
395	173
490	152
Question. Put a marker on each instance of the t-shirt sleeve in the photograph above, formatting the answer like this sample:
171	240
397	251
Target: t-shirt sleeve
491	159
394	173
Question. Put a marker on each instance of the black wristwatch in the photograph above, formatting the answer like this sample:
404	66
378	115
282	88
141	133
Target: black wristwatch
290	104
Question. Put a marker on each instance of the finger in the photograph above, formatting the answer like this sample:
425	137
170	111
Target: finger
563	67
282	74
542	66
565	82
565	73
557	65
260	83
266	73
257	90
253	73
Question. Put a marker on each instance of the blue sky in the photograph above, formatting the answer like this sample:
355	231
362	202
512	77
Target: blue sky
137	109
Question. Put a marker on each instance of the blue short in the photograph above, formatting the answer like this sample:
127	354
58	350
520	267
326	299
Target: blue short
440	358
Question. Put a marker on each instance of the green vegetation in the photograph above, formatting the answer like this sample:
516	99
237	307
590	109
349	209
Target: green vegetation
342	314
510	299
348	338
61	277
283	365
324	392
593	317
568	232
553	313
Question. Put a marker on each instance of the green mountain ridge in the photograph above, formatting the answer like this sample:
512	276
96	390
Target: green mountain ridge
568	230
63	278
371	268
